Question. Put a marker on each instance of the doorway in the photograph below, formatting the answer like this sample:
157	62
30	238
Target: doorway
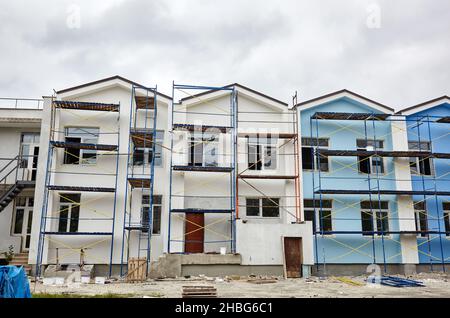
23	220
292	247
29	151
194	236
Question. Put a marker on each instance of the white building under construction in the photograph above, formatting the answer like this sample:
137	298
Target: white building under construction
122	173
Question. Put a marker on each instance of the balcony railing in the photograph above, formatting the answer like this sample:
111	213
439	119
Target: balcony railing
21	103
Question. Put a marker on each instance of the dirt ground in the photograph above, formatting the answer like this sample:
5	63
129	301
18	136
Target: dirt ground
436	285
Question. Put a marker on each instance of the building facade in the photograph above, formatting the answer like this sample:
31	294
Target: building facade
428	132
20	125
222	180
360	189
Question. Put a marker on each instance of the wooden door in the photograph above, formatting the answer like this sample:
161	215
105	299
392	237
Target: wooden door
194	233
293	256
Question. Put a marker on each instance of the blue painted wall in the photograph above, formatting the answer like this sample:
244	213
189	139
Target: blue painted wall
439	134
343	174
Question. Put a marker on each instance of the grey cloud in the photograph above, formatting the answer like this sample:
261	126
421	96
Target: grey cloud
276	47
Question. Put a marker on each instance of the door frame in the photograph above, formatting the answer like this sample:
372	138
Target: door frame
27	218
202	229
284	254
27	172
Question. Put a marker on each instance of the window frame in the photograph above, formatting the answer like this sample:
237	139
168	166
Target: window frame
154	205
69	207
370	147
312	145
316	211
374	213
198	139
261	208
262	145
418	218
146	152
27	144
26	208
446	217
90	161
418	162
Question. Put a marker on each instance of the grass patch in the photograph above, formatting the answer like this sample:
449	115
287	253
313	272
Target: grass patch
155	295
70	295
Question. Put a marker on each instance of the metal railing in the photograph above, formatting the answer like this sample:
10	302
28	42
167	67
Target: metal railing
14	170
21	103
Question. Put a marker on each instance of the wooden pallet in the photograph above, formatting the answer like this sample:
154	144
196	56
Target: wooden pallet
137	269
200	291
262	281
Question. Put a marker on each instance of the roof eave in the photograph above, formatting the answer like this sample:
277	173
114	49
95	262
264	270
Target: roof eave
371	103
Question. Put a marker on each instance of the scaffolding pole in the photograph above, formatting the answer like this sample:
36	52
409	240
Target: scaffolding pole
144	101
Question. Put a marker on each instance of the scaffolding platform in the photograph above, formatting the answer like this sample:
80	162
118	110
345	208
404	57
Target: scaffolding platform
349	116
145	102
268	135
202	210
444	120
263	176
385	192
86	106
80	189
144	183
202	128
380	153
202	168
142	137
76	145
78	233
380	232
137	227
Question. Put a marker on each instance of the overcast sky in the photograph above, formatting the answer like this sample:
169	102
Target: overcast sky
396	52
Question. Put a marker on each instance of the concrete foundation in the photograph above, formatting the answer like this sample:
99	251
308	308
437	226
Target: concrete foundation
223	270
361	269
174	267
171	265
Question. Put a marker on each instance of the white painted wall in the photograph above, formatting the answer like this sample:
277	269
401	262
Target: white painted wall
10	134
405	204
261	244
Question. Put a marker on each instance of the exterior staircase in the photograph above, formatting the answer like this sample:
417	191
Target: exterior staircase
13	191
13	180
21	259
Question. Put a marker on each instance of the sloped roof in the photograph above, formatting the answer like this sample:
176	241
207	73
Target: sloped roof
239	86
425	105
118	77
347	93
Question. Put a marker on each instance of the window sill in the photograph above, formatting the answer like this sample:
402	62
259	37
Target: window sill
79	165
316	171
262	218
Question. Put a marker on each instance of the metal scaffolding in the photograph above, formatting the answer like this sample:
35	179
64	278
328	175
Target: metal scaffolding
375	189
229	118
49	228
143	130
288	120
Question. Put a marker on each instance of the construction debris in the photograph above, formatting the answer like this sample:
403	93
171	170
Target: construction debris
262	281
395	281
348	281
201	291
137	269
